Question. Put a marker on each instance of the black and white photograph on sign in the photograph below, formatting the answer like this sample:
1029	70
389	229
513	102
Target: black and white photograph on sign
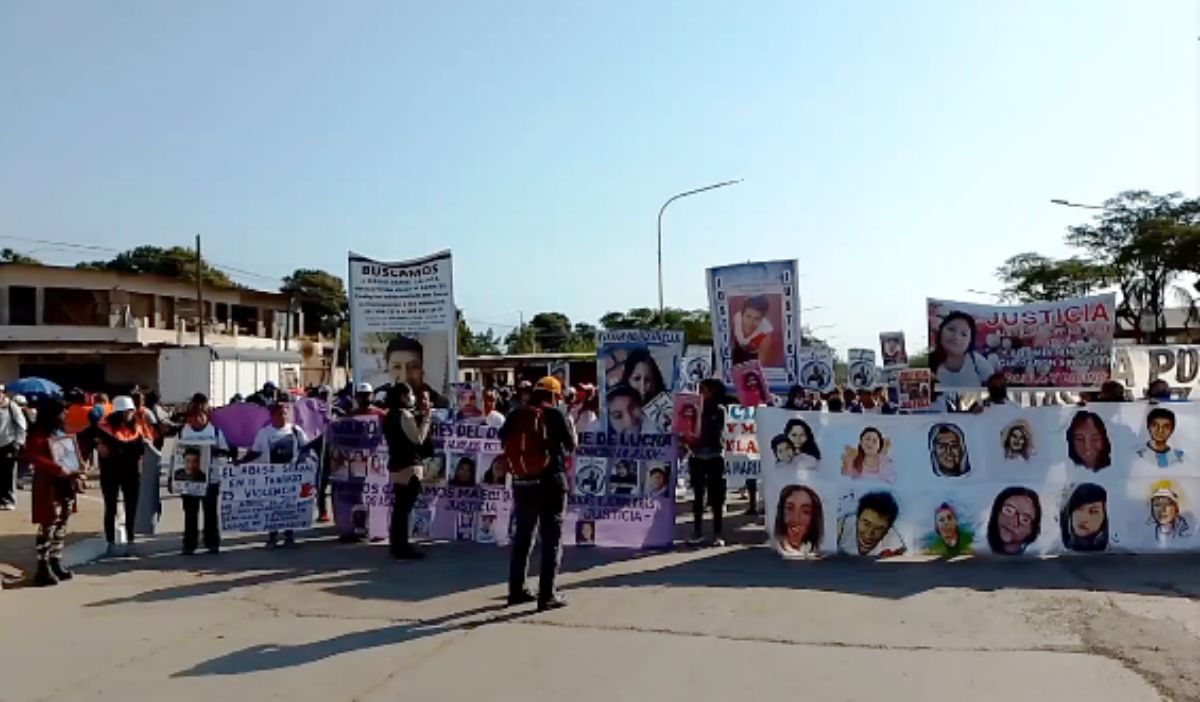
190	467
66	452
624	478
421	360
590	476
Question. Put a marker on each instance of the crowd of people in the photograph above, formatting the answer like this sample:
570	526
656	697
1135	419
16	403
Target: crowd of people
538	424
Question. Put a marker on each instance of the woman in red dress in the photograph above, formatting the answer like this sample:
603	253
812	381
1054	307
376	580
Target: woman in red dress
54	489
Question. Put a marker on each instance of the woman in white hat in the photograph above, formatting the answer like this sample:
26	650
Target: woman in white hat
122	444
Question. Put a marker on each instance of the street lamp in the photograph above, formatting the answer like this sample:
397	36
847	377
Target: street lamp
1067	203
662	315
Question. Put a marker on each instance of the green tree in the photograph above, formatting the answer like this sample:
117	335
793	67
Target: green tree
321	296
11	256
175	262
473	344
552	331
521	340
1139	243
696	325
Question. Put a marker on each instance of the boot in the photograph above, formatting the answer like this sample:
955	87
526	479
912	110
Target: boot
59	570
44	577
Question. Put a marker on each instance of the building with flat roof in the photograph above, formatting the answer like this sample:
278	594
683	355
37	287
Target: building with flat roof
104	330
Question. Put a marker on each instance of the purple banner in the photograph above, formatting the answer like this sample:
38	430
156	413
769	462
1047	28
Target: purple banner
240	422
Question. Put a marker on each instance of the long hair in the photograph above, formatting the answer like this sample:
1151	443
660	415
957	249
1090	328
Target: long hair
631	363
1084	494
49	416
938	357
816	527
1105	458
1027	450
993	528
860	458
809	447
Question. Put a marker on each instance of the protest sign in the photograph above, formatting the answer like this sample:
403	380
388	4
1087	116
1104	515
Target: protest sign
1137	366
466	401
816	369
637	373
1064	344
740	441
355	450
189	468
697	365
893	350
404	324
749	383
257	497
687	414
914	388
756	317
311	415
240	422
860	369
1019	482
560	370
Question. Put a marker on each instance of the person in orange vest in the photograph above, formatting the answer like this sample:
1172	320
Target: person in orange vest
122	443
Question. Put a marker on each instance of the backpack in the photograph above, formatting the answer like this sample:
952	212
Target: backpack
527	445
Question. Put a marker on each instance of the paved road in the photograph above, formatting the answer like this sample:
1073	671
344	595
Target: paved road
330	622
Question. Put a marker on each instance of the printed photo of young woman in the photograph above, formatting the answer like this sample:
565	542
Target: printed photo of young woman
1088	445
799	521
796	447
870	459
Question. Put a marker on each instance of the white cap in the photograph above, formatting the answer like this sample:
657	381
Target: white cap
123	403
364	387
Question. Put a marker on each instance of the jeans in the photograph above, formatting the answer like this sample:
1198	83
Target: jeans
8	474
543	504
405	498
192	506
119	481
707	475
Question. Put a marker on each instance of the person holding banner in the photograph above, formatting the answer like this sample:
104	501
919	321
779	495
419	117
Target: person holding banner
706	465
198	429
280	441
55	487
537	438
406	429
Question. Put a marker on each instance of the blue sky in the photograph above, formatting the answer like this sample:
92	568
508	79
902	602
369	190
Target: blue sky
897	149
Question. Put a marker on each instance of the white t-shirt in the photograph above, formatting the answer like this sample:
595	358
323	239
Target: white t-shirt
494	419
279	445
211	435
974	373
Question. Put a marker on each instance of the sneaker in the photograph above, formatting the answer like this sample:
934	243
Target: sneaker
521	598
555	601
8	507
60	571
718	542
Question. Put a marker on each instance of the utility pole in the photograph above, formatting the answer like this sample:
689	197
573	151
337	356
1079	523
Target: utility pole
199	291
662	313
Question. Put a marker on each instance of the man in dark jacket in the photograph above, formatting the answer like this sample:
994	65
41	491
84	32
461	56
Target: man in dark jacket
540	500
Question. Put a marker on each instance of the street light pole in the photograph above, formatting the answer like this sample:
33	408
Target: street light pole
662	316
1067	203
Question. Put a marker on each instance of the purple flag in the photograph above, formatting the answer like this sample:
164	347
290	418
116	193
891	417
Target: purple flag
240	422
311	415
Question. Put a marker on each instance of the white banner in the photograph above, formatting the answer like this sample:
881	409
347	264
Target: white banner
1138	366
404	324
1011	481
740	439
257	497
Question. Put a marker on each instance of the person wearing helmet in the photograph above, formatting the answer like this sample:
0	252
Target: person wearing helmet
122	444
364	396
539	494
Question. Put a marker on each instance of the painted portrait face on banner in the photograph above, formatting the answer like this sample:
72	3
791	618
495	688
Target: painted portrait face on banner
1015	522
1088	445
1160	430
1083	518
870	459
951	533
796	447
1016	441
870	529
948	451
799	521
1167	515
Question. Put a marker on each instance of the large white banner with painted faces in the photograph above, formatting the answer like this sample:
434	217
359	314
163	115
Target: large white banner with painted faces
1010	482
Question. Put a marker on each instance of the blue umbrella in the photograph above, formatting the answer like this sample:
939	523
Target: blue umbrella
34	386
